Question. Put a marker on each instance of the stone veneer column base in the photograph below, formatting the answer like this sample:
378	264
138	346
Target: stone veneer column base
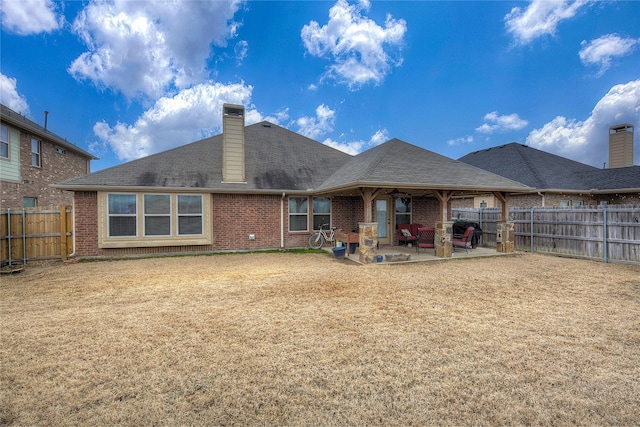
368	241
505	237
442	239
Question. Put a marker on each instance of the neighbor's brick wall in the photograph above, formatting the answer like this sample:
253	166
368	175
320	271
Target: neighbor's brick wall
36	181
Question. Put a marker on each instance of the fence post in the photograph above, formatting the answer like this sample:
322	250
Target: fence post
9	237
63	233
24	237
604	232
531	238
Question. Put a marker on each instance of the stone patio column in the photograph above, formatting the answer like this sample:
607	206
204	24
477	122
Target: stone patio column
505	236
368	241
442	239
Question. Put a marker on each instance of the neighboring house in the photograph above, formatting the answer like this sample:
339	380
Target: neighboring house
555	180
262	187
31	159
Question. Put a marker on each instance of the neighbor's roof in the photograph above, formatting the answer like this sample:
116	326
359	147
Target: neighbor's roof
616	179
546	171
399	164
530	166
18	120
277	160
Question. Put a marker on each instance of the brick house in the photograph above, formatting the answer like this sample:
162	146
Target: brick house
554	180
264	187
32	159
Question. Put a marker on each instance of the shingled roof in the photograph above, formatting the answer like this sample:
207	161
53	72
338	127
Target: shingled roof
546	171
399	164
9	116
277	159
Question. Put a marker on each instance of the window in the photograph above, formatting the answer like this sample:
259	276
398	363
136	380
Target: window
157	215
35	152
298	210
29	202
4	141
403	210
576	203
321	212
122	215
564	203
190	214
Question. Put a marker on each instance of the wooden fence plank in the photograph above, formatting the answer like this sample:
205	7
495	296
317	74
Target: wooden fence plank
35	234
575	231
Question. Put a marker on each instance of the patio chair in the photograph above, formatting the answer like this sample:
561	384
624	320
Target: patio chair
405	234
463	241
426	236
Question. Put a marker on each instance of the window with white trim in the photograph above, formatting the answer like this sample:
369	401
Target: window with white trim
157	214
298	214
403	210
122	213
4	141
321	212
35	153
190	214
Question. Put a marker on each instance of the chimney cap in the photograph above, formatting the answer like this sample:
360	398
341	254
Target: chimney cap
233	110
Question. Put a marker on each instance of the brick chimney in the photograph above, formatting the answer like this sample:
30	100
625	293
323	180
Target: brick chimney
620	146
233	154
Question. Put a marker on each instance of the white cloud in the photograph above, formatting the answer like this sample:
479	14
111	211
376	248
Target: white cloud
356	147
145	47
495	123
356	44
459	141
10	97
540	18
190	115
314	127
26	17
601	51
587	141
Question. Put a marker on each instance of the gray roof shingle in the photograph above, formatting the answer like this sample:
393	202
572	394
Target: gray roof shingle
399	164
546	171
276	159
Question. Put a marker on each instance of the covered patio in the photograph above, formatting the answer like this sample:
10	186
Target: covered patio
425	255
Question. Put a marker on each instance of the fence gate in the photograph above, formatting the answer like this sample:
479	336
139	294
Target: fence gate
35	234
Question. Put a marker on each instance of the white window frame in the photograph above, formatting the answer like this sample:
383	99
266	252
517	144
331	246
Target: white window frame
315	214
140	239
189	215
37	154
121	215
148	215
299	214
4	141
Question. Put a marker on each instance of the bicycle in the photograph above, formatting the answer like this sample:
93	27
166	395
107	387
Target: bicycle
318	239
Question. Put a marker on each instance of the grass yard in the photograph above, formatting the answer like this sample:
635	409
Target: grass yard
304	339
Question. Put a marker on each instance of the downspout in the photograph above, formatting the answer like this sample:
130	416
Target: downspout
541	195
282	221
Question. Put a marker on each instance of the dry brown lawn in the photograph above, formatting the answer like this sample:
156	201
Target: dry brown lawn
304	339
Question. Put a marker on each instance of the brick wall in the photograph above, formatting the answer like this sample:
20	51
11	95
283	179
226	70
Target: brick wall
235	216
35	181
85	214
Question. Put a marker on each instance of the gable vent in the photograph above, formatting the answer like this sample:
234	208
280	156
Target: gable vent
233	149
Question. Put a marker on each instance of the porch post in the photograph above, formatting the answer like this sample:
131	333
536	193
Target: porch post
368	194
443	228
505	230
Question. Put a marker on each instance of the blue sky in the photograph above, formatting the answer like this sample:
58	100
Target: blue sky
125	79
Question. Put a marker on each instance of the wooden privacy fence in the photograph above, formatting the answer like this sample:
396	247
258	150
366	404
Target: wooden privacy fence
35	234
610	233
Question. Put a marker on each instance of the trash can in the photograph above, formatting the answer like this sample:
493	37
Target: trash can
339	252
